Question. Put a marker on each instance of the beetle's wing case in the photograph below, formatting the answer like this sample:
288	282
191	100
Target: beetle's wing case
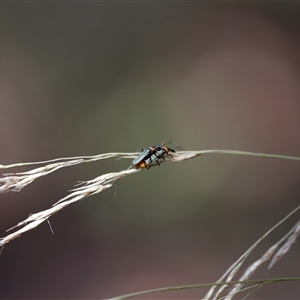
155	155
141	157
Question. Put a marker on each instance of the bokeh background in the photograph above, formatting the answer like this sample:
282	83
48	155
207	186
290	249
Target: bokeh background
88	78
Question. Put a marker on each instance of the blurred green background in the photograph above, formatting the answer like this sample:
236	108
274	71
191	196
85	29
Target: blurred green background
88	78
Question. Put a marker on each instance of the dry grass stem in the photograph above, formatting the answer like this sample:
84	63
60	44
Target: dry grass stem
14	182
239	285
65	159
232	270
290	239
256	283
87	189
17	181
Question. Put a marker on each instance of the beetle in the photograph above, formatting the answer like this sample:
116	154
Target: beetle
151	156
158	155
139	162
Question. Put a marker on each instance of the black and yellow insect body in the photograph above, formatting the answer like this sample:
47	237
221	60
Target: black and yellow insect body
151	156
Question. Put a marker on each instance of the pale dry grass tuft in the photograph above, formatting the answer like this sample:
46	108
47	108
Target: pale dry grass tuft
17	181
289	239
14	182
217	289
87	189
